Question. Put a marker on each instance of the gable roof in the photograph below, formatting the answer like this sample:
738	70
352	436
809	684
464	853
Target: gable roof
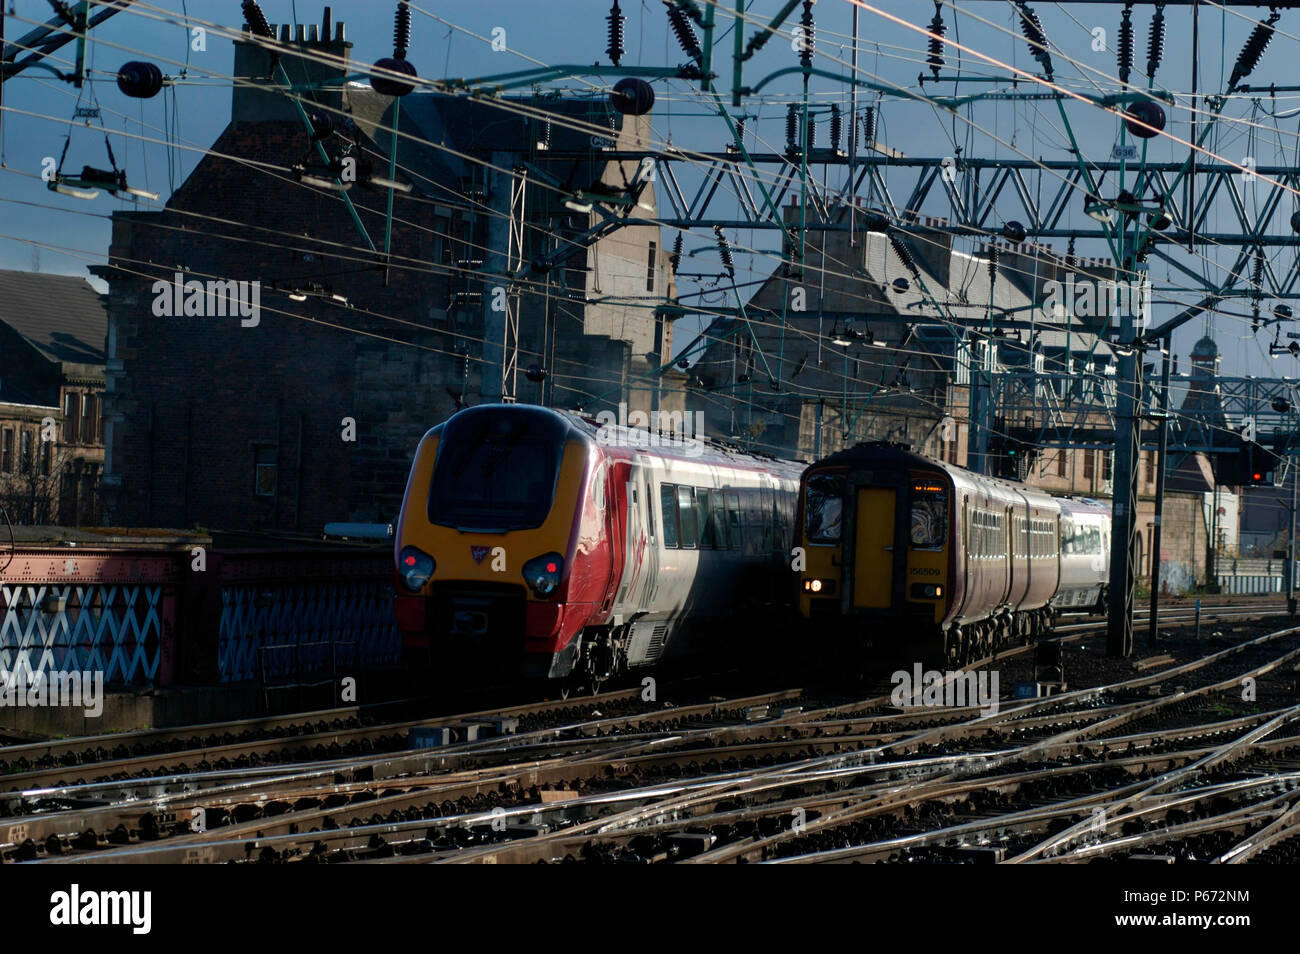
61	316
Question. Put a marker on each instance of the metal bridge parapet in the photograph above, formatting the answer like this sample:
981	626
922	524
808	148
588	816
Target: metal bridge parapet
149	618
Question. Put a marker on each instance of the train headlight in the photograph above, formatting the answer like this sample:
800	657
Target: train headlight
415	567
819	587
542	574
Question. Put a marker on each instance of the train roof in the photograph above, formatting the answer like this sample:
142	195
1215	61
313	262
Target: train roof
1082	505
874	453
602	432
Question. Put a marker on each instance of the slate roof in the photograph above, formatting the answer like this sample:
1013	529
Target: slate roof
61	316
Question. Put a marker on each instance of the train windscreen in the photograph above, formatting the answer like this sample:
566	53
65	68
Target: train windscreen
929	515
824	508
496	470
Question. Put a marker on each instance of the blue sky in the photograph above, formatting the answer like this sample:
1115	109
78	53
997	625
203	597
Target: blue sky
68	234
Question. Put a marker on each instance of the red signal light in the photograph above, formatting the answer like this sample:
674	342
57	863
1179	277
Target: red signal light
410	561
550	568
1258	477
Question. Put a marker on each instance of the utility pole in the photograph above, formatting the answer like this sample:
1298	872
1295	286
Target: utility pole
1161	454
1290	547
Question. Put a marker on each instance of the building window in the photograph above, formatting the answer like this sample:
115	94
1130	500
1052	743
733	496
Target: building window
1106	460
25	451
650	267
7	451
264	469
1150	458
88	416
1089	463
71	417
1060	463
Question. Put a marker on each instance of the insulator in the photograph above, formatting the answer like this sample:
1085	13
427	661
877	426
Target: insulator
812	133
940	30
792	128
1156	41
616	20
684	32
676	256
807	38
1254	48
1032	28
904	254
837	126
1259	270
995	256
724	251
869	125
1124	44
546	132
1071	262
139	79
402	31
256	20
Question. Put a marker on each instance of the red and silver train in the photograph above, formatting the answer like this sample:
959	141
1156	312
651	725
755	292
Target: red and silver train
543	543
953	564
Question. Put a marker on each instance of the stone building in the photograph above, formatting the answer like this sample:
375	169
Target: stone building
369	330
52	330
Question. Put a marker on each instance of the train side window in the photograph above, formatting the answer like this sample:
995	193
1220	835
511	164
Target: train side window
708	537
650	518
718	519
668	496
686	516
733	520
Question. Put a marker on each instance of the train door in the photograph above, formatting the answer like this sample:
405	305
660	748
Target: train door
965	541
873	579
643	476
1012	580
631	594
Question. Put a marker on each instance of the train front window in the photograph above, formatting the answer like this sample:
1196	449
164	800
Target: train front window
824	505
929	516
496	472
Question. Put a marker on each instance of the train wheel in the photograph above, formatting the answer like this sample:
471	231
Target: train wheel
955	647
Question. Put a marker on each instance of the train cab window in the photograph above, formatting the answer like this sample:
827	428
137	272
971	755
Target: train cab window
496	472
708	533
686	516
929	516
824	508
668	497
733	520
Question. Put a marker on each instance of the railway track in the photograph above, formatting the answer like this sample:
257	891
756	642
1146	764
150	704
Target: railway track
795	774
